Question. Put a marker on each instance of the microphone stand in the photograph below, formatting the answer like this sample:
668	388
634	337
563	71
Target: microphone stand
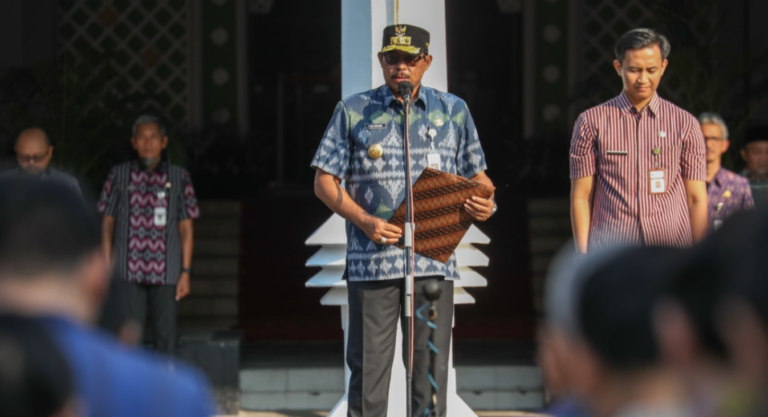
405	93
432	294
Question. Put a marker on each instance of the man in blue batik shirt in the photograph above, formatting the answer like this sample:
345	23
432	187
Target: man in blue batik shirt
363	145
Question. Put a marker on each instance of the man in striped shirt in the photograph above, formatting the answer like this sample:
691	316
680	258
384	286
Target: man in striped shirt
638	164
34	152
148	207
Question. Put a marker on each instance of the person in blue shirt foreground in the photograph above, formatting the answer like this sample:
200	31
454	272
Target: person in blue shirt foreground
52	268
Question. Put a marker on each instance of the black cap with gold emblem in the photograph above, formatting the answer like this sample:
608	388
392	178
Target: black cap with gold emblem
406	38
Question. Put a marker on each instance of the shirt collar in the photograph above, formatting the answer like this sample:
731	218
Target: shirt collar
389	96
45	174
161	167
626	106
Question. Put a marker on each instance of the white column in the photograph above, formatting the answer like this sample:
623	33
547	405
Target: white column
362	24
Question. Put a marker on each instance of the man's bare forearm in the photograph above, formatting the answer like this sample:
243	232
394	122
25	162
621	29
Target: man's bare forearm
107	236
329	190
698	214
580	218
581	211
186	235
696	194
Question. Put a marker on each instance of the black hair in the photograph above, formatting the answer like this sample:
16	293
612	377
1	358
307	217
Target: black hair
616	304
744	264
147	119
755	133
719	264
641	38
44	227
35	378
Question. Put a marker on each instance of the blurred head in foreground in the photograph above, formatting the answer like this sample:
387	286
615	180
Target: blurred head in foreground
50	257
712	320
604	309
35	379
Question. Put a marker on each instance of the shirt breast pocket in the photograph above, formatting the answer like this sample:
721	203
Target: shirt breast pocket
613	156
375	145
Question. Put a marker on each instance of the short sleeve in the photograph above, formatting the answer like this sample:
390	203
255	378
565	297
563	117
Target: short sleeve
187	207
693	164
583	149
109	196
470	158
335	150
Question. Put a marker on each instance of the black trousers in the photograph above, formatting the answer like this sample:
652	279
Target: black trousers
161	300
374	308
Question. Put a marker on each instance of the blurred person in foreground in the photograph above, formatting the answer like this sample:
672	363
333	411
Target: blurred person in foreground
727	269
560	344
148	206
755	155
613	361
743	315
33	153
35	380
52	268
727	192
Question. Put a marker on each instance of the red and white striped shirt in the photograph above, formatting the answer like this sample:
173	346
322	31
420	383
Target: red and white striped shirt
615	143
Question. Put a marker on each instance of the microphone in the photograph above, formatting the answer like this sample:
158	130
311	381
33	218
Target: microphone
405	89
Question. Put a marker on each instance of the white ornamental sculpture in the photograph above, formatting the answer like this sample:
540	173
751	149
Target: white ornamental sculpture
331	257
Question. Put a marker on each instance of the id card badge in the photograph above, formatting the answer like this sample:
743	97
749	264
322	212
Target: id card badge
657	179
161	216
433	160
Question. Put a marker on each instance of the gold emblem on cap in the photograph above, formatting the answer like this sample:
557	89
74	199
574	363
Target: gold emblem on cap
727	194
400	39
375	151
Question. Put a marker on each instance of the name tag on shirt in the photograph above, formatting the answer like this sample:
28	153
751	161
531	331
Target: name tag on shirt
161	216
657	179
375	126
433	160
616	152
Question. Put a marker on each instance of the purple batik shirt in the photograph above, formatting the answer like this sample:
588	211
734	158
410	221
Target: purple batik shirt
728	193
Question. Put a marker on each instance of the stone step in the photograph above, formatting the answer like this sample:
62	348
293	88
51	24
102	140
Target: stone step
217	227
549	207
482	387
215	267
212	208
208	307
210	247
547	244
208	286
218	323
560	225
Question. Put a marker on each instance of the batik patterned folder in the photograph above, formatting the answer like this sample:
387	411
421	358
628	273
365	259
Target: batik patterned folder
441	221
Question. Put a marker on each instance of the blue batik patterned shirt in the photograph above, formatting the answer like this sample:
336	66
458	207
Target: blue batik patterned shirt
378	185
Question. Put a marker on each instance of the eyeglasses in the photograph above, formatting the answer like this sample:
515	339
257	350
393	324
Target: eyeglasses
714	138
31	159
395	59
